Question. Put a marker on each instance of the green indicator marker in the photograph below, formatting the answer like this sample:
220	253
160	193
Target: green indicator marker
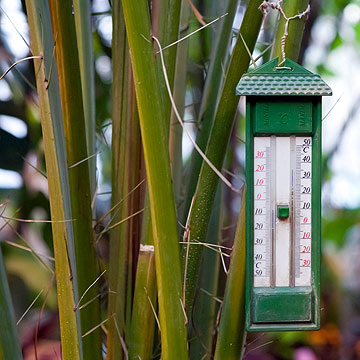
283	211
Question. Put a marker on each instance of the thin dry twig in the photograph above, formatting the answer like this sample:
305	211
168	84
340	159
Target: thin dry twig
40	315
211	295
34	221
184	312
97	326
122	221
223	262
192	33
29	307
25	248
18	62
87	290
123	345
83	160
153	309
266	6
207	245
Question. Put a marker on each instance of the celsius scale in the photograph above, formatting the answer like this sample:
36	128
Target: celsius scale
283	201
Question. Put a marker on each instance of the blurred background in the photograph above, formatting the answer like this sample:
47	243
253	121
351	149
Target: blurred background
330	48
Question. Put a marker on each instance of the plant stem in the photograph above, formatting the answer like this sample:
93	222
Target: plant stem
9	340
82	12
58	182
156	154
63	29
231	334
165	26
204	314
176	132
126	145
143	318
217	144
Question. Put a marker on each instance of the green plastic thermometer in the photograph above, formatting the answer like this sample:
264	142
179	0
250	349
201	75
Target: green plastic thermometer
283	214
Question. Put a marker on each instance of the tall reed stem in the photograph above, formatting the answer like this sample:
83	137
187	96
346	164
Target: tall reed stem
156	153
63	29
231	333
57	171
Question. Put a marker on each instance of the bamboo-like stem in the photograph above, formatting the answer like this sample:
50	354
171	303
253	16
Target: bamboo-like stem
9	340
82	12
63	29
156	154
124	239
295	30
58	182
143	318
175	140
231	334
204	314
209	101
217	144
165	26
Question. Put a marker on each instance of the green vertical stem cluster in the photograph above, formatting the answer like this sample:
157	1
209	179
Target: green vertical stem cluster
9	341
63	29
231	333
126	145
156	154
215	75
143	318
217	144
295	30
82	12
58	182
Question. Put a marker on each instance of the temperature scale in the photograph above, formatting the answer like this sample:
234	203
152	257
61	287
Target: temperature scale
283	213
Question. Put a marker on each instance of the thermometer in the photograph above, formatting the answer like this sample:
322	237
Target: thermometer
283	196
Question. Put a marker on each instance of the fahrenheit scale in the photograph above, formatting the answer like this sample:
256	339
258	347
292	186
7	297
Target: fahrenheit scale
283	200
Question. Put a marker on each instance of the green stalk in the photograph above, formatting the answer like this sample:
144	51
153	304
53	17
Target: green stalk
204	314
126	146
210	97
58	182
156	154
9	340
176	131
82	12
63	29
295	30
231	334
217	144
143	319
165	26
